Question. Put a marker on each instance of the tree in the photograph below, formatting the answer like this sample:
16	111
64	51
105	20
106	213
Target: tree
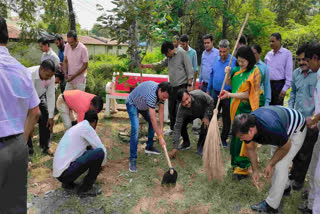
26	9
133	21
55	17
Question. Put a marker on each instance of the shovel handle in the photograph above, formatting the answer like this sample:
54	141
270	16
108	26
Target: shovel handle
167	156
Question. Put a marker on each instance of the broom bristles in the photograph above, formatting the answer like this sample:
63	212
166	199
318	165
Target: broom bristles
212	159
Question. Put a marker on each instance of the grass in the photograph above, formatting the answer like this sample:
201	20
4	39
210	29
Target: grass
141	192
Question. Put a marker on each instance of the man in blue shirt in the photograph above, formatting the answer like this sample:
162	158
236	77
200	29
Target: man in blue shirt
279	126
303	84
208	57
60	45
217	75
184	44
265	74
143	99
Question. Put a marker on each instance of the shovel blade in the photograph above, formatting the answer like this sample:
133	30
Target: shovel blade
170	179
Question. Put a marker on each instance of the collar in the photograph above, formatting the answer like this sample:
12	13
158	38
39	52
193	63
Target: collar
4	49
279	51
37	77
259	62
209	51
309	71
226	60
48	53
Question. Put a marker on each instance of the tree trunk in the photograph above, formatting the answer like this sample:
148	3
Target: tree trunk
72	16
225	22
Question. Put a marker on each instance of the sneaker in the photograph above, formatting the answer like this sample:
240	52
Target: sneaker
133	166
48	151
305	195
183	146
239	177
224	144
84	191
152	150
287	191
263	207
169	132
305	210
297	186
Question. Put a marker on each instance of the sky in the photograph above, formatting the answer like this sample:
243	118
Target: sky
86	12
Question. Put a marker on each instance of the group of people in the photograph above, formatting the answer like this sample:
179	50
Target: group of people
28	97
251	100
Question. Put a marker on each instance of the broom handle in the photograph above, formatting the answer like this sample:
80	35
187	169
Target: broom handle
234	50
167	156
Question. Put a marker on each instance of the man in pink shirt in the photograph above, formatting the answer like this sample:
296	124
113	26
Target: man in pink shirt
79	102
75	62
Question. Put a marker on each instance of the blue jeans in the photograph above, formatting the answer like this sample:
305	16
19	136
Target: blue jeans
134	120
92	160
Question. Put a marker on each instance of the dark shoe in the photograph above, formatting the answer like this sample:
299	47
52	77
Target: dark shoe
85	191
152	150
239	177
303	205
184	146
263	207
297	186
287	191
31	151
224	144
305	210
305	195
69	186
133	166
48	151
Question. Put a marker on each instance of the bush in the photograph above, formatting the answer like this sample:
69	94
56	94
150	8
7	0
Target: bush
102	66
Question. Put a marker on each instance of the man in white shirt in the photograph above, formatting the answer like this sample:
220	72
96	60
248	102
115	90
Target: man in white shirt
79	150
43	81
47	52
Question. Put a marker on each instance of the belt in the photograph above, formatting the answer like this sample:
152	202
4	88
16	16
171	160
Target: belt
8	137
277	81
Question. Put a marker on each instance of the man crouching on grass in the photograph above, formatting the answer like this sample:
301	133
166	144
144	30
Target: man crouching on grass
274	125
79	150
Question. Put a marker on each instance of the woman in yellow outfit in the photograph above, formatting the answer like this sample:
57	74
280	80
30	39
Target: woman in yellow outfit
245	81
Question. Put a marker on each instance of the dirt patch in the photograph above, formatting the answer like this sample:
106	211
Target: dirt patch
42	181
110	175
159	193
198	208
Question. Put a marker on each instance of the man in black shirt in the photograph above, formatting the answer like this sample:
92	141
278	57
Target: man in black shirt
273	125
194	104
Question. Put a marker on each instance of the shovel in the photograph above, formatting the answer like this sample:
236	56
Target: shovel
170	177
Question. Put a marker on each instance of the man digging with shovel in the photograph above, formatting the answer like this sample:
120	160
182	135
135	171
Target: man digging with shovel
143	99
274	125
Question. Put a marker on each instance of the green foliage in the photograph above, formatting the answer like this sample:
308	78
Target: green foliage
56	16
100	70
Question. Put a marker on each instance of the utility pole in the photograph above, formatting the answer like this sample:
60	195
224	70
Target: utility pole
72	16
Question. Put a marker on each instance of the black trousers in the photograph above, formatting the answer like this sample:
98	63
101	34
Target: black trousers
90	160
13	174
44	131
225	106
174	104
185	135
302	159
276	88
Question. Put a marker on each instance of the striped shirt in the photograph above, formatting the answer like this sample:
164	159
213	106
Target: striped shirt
276	124
144	96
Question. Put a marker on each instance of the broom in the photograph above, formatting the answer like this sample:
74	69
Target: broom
212	159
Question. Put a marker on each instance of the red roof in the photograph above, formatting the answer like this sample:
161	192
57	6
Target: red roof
87	40
13	32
